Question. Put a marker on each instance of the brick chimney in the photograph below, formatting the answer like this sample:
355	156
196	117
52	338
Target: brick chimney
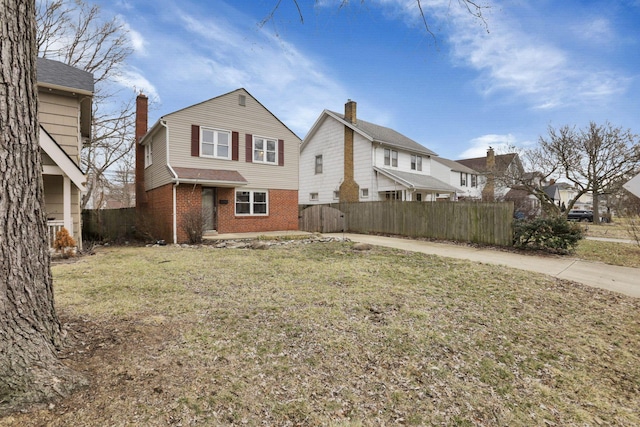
142	115
349	189
489	190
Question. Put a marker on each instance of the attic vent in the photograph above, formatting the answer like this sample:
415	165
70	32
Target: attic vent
242	100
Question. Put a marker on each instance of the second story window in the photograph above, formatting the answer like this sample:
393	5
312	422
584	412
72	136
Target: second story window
215	143
416	163
148	154
463	179
265	150
390	157
319	164
474	180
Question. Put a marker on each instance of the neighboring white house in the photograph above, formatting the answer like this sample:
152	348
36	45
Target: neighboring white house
344	158
466	180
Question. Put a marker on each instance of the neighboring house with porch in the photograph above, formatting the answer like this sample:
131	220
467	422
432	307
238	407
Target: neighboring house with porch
465	179
346	159
227	161
65	96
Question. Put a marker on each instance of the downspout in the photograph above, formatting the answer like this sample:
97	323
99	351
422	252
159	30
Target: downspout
176	182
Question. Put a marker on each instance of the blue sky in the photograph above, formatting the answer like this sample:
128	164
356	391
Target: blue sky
531	64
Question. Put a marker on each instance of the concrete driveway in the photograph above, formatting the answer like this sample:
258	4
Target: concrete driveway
623	280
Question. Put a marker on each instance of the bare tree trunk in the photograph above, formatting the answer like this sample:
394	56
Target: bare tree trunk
30	331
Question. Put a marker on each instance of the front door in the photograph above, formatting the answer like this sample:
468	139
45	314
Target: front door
209	209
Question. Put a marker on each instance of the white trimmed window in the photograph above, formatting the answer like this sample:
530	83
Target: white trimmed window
265	150
319	164
215	143
364	193
336	195
416	163
390	158
252	202
313	197
463	179
474	180
148	154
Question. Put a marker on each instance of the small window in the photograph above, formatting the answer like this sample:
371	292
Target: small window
242	100
336	195
416	163
249	202
474	180
463	179
319	164
418	197
364	193
313	197
265	150
215	143
148	154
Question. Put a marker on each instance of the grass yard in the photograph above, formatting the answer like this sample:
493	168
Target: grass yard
321	334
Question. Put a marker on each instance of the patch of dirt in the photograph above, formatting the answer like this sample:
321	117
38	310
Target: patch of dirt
112	355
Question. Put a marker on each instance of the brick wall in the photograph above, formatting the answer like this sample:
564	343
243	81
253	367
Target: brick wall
158	219
283	213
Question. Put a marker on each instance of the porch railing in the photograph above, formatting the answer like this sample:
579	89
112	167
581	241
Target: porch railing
54	226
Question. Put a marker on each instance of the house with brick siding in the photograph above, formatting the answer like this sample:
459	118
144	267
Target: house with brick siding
346	159
227	161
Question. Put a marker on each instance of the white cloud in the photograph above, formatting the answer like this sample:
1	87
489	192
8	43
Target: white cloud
205	56
133	79
480	145
512	63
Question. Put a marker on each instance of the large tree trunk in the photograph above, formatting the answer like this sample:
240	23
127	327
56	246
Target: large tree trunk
30	332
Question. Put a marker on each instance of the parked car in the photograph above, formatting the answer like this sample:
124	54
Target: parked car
580	215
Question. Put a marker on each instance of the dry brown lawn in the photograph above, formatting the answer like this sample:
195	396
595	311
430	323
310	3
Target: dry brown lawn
321	334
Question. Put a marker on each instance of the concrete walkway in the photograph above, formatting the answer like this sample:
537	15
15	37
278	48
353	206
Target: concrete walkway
624	280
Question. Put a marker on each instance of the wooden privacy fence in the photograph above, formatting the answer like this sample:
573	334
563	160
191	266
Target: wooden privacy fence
108	224
322	219
486	223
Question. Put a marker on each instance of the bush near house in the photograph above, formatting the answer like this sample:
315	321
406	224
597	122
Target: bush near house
554	234
64	243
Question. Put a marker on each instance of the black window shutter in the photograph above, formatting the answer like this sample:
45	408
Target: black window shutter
280	152
248	141
234	145
195	140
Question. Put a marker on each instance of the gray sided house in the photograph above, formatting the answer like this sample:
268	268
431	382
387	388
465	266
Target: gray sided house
227	160
65	98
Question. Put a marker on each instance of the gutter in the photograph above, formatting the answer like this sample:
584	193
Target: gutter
176	182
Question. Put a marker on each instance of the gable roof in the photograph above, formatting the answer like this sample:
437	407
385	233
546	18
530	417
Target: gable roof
480	163
60	75
454	166
374	133
416	181
157	123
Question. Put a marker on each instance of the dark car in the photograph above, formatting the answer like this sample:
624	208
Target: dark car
580	215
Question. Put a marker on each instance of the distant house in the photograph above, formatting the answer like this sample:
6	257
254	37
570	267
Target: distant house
497	173
465	179
346	159
228	160
65	98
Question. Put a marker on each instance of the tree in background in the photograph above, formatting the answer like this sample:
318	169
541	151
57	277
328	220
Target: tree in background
77	34
30	331
596	160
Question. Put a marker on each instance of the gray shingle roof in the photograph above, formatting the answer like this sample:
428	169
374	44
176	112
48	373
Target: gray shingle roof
454	166
389	136
418	181
60	74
